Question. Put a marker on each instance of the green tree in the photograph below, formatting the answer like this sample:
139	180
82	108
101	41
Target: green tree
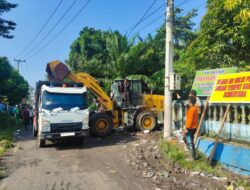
221	42
6	25
89	53
110	55
12	85
117	49
184	34
242	7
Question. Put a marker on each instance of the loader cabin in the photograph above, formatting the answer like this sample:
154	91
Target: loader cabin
128	92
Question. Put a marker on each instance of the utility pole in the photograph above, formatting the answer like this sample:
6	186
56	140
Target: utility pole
18	62
168	70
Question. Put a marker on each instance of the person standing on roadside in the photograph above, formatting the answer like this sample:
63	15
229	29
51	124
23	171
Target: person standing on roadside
16	111
191	125
31	116
25	117
193	93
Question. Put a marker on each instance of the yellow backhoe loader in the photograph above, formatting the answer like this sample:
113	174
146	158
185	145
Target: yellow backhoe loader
144	111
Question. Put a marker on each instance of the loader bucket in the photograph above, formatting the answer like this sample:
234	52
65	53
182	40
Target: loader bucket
57	71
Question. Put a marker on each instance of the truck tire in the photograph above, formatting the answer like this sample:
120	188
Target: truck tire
145	121
101	124
40	142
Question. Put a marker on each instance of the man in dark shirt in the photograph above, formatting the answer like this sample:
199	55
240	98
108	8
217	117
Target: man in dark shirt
126	91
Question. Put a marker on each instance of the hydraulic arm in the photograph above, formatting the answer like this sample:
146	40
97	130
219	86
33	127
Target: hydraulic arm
57	71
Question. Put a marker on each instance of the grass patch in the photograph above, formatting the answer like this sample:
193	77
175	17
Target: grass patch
175	152
243	183
8	124
2	174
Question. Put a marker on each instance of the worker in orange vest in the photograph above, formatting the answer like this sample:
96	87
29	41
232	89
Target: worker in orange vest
191	125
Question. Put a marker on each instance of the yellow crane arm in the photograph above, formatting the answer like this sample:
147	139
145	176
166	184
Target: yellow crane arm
94	87
57	71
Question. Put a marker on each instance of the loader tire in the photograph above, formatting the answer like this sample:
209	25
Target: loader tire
101	124
145	121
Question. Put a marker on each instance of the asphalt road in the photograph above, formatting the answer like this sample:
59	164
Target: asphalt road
100	165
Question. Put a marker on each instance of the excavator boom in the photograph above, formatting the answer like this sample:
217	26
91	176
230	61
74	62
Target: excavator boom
58	71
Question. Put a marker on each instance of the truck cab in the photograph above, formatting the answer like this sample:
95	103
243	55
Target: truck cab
61	111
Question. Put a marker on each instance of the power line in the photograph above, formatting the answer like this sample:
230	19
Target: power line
53	28
140	20
42	28
198	6
182	13
27	69
70	21
152	13
152	22
182	3
155	11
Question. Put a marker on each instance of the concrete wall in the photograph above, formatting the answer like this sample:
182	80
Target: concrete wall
235	157
237	125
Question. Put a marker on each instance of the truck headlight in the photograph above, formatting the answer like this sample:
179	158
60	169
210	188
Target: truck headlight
85	125
45	126
85	121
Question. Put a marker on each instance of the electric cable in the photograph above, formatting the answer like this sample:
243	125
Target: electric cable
56	36
198	6
155	11
152	22
53	28
140	20
158	8
184	2
41	29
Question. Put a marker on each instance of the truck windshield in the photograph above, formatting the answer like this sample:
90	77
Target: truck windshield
65	101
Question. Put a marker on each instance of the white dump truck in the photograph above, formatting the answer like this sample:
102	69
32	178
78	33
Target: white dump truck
61	111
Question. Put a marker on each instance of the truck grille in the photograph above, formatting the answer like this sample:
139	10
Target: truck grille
65	127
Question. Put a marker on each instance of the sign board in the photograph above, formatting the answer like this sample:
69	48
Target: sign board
204	80
232	88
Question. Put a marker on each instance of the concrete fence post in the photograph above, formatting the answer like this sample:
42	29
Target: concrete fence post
221	113
215	113
235	107
243	114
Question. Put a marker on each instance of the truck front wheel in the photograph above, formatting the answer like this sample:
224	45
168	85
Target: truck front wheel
101	124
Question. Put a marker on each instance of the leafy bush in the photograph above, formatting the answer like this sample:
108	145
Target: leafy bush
8	124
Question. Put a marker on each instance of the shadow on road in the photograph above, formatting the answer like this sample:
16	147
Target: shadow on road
116	138
93	142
